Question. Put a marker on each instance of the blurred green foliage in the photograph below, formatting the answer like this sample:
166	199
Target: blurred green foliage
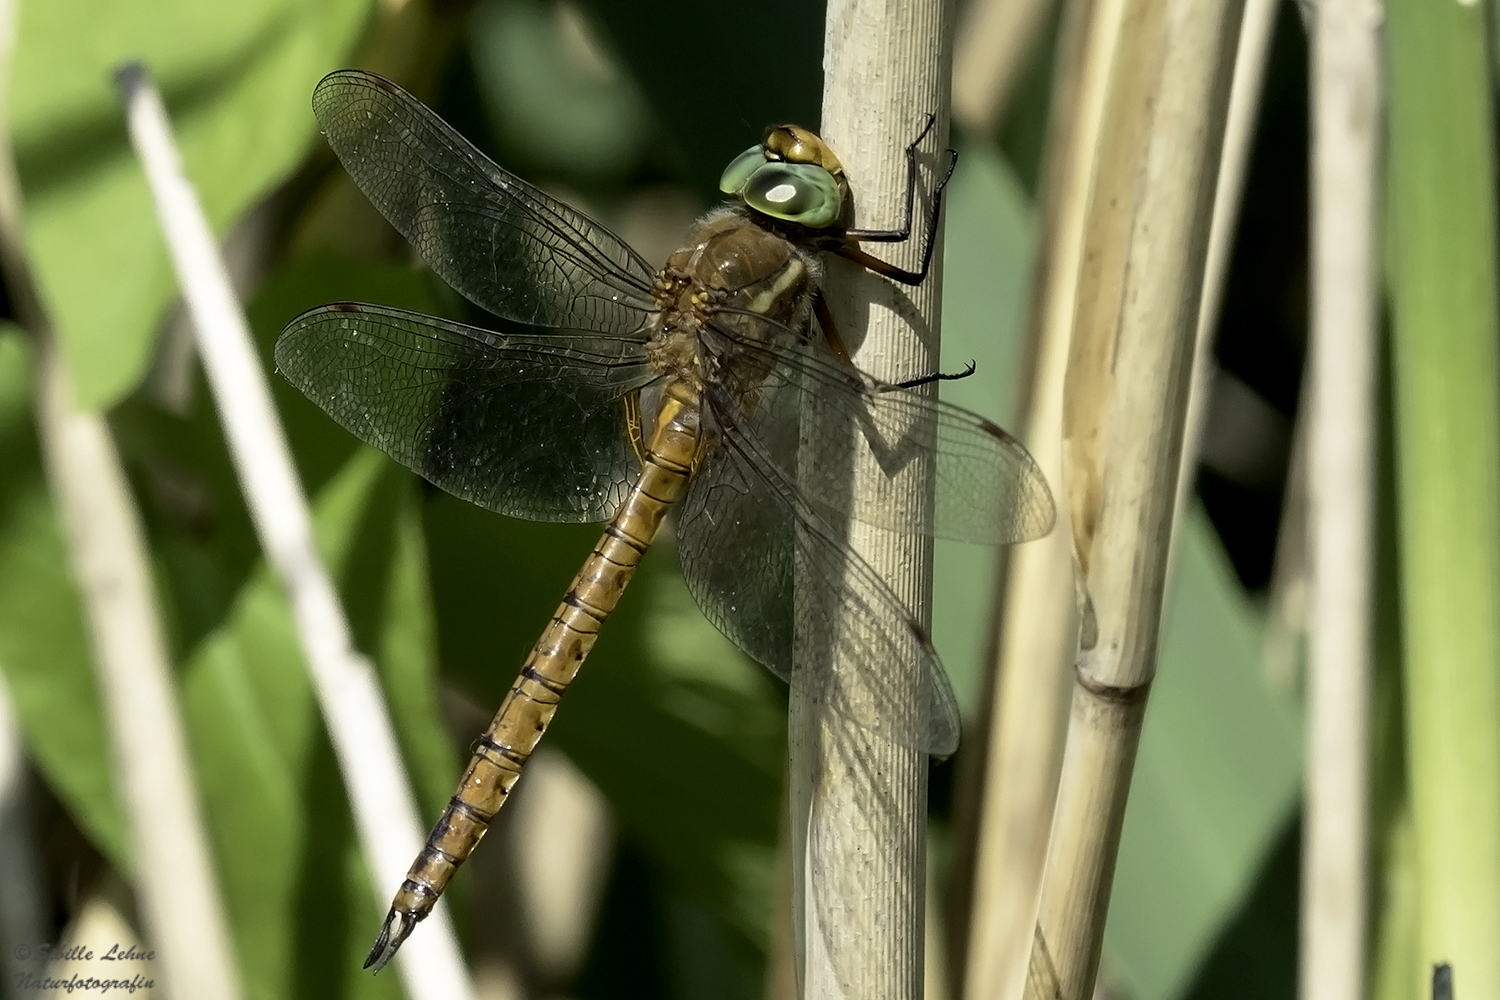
1441	263
236	79
683	736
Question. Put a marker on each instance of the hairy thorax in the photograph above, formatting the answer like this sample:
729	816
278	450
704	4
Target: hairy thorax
734	286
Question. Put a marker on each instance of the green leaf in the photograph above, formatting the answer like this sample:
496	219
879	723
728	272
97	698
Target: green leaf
987	254
236	78
557	100
1255	956
1445	328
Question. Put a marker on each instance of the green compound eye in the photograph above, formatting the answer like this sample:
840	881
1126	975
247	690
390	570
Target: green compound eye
803	193
740	168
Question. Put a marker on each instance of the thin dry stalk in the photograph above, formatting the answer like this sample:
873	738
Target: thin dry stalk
348	693
1346	61
1124	409
1256	28
858	801
1036	636
174	875
997	40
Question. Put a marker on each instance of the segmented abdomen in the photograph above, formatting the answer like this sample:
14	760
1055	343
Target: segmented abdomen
503	750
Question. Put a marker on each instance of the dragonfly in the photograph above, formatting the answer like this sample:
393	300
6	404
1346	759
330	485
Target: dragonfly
608	390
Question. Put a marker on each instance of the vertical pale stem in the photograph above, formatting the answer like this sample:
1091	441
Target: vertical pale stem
1256	27
996	41
859	802
1124	409
174	872
1345	145
1037	631
1446	383
359	727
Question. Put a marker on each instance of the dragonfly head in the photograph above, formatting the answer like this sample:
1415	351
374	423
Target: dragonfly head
792	176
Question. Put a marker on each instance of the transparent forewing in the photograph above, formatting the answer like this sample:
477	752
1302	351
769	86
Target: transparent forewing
736	540
757	559
500	242
988	488
526	423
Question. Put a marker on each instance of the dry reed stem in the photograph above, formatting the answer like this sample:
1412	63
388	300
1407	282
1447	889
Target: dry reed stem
1124	408
1346	62
1256	28
174	872
348	693
858	802
1036	637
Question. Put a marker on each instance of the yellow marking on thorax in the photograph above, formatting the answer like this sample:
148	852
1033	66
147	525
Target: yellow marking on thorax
791	276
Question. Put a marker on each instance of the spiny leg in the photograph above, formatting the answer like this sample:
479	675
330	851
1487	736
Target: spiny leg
836	345
849	249
903	232
912	383
830	329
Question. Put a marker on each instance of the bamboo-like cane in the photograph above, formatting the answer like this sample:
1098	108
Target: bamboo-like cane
348	693
859	803
1124	409
1341	467
1036	635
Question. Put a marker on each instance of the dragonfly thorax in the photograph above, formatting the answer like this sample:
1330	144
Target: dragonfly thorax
731	278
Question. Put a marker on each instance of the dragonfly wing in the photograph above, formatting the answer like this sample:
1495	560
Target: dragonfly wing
757	559
502	243
527	423
737	542
989	490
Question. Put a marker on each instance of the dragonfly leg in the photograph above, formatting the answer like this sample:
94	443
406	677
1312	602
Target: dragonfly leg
903	232
836	345
830	329
849	249
912	383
